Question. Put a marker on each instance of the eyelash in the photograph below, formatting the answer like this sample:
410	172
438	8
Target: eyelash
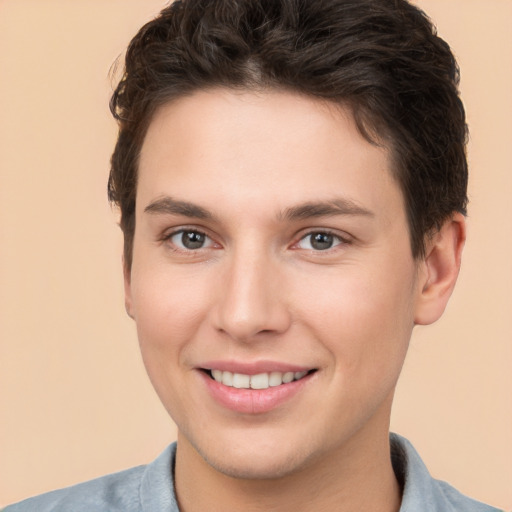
342	240
168	238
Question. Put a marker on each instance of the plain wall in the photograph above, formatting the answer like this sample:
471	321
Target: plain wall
75	402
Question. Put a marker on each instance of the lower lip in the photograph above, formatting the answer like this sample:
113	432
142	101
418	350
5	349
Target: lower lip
253	401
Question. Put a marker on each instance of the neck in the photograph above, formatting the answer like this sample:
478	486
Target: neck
344	480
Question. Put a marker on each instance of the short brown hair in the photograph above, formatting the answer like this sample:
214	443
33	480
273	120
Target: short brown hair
381	58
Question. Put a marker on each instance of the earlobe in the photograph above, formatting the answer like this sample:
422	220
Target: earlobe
127	290
439	270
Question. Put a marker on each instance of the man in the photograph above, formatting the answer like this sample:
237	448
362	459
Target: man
292	183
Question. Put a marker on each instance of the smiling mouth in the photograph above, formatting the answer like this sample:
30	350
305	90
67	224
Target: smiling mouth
258	381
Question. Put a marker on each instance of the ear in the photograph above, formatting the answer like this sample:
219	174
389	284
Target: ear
438	272
127	275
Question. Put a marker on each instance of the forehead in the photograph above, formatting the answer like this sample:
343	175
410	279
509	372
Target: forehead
270	148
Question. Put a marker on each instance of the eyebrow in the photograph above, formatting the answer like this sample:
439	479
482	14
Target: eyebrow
337	206
170	206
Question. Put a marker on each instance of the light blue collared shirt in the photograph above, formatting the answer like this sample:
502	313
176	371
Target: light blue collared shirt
151	489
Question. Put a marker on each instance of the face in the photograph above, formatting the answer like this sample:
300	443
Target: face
272	282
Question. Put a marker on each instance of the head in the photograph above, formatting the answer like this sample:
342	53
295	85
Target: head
288	174
380	59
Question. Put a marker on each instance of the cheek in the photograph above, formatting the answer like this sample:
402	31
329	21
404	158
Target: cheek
365	319
168	308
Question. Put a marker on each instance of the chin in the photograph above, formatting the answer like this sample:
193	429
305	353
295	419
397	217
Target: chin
254	462
261	468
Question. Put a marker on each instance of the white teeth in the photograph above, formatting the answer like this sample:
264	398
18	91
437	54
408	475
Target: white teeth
275	379
259	381
288	377
241	381
227	378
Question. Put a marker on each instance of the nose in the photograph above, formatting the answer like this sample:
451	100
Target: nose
252	300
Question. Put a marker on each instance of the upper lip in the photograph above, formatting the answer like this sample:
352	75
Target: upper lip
254	367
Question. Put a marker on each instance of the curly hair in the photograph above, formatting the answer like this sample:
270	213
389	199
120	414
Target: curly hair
380	58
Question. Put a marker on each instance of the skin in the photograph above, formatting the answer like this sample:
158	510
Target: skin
244	164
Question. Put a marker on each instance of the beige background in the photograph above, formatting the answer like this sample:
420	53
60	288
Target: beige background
75	402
